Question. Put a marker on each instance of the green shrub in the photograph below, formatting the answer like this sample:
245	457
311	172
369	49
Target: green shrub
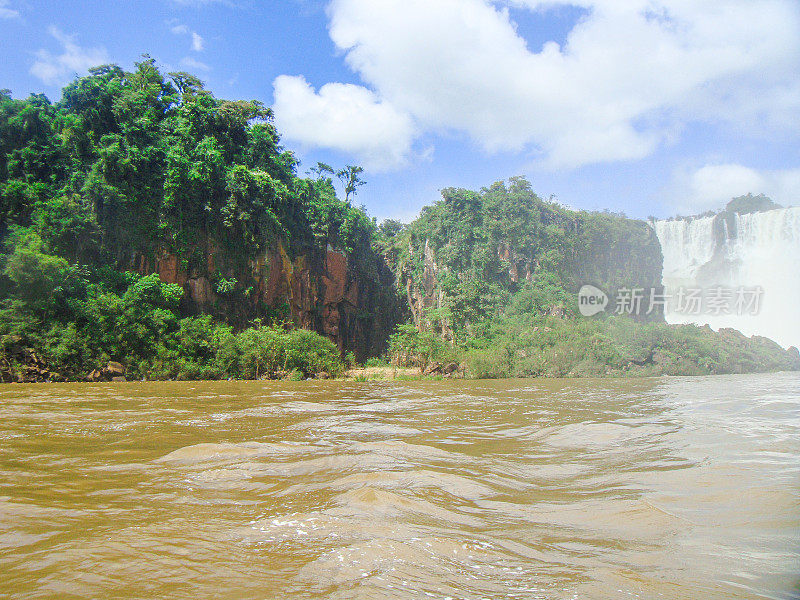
262	352
375	361
491	363
311	353
409	347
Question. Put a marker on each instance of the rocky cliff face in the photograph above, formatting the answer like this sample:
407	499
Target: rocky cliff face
426	293
317	289
519	267
465	258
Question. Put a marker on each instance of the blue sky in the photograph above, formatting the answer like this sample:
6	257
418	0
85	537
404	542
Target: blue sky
643	106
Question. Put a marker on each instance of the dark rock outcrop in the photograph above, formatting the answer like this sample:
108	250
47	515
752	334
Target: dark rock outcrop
322	289
113	371
23	365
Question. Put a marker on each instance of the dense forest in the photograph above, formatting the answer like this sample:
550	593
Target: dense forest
153	230
146	222
491	278
479	249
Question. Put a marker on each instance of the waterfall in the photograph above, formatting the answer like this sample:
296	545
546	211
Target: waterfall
749	251
686	245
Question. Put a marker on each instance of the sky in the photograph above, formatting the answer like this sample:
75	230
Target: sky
647	107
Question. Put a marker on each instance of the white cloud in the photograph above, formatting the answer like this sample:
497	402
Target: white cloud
344	117
712	186
7	13
630	75
197	42
190	63
52	68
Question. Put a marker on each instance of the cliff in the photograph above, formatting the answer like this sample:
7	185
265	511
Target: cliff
320	289
138	172
467	258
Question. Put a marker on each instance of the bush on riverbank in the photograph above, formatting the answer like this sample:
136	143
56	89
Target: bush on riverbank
79	319
529	346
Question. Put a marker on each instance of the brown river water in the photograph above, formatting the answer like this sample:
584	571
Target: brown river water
653	488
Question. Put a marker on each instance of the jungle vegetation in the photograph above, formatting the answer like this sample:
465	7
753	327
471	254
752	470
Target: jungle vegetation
127	165
495	274
124	166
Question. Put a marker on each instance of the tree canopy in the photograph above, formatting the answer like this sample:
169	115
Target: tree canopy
130	166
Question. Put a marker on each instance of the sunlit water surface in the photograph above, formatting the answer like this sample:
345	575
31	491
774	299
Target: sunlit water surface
658	488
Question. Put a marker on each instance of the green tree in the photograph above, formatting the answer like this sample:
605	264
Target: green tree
350	177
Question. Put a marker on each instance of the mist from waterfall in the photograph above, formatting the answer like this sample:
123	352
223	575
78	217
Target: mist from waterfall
760	249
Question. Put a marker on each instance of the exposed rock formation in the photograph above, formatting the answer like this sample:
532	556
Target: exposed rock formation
113	371
318	289
426	294
519	266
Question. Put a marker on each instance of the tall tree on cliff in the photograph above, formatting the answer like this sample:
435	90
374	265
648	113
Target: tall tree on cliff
350	177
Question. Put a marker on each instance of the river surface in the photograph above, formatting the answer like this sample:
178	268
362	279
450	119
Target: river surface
652	488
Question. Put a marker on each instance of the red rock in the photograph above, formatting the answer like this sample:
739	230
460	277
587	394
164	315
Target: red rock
201	292
169	269
352	293
335	278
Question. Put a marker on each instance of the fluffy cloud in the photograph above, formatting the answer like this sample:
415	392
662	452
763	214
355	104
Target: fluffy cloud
344	117
57	68
630	74
710	187
198	43
7	13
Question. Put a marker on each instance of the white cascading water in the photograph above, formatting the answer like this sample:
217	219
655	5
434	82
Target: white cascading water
686	245
763	251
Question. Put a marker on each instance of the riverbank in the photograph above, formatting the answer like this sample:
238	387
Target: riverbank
382	373
510	347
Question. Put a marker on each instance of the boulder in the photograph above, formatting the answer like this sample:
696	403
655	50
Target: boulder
450	368
435	368
115	369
